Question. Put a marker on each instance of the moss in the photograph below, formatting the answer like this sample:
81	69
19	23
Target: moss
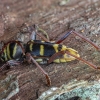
82	89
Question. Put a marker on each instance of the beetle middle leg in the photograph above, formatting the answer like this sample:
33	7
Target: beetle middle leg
29	59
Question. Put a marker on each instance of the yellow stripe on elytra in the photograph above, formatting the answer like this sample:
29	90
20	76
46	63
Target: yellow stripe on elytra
8	52
39	60
5	55
14	50
31	46
55	47
41	50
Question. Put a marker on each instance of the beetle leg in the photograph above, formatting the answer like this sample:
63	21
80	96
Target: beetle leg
30	58
33	35
86	39
33	29
86	62
64	37
44	33
61	53
76	33
45	36
45	39
9	63
61	56
55	56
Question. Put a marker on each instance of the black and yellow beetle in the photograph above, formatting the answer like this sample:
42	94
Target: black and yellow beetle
42	52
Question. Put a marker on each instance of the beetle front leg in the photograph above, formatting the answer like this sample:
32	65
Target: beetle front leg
61	53
86	39
76	33
86	62
30	58
64	37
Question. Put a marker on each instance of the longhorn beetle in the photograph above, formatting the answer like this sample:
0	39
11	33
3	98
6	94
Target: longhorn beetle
41	52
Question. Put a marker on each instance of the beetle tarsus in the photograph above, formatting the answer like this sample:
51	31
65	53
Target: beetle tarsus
48	80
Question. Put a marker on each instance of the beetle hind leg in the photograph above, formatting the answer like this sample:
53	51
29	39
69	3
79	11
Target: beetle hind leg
10	63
